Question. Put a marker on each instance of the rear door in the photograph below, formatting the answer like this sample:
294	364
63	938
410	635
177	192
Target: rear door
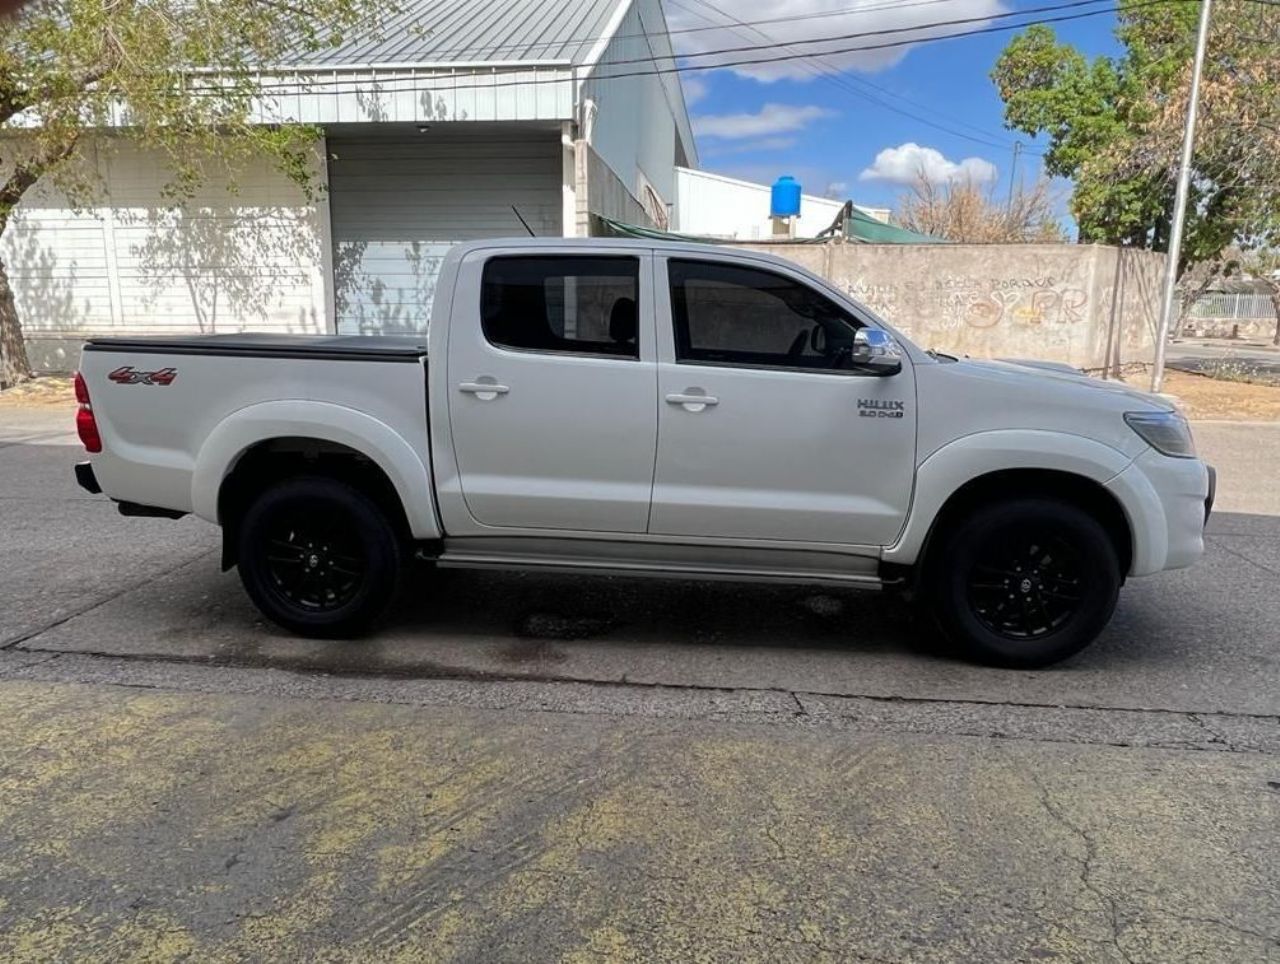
766	431
552	390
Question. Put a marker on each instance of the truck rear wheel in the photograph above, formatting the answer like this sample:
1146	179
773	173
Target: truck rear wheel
1023	583
319	557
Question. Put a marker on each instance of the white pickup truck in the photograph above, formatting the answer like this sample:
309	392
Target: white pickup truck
644	408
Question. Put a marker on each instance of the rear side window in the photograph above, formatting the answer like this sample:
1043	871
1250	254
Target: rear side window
733	315
570	305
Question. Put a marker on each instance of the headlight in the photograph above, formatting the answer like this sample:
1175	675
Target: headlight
1166	432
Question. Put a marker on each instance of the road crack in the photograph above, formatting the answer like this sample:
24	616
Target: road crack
1216	738
1088	864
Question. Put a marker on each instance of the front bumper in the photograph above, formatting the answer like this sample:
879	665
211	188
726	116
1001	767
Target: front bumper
1213	493
1167	502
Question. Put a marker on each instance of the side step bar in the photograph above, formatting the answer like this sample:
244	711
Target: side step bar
660	561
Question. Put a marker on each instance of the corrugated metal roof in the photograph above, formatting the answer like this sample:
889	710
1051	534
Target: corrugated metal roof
470	31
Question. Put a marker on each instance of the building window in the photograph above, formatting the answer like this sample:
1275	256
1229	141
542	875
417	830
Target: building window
572	305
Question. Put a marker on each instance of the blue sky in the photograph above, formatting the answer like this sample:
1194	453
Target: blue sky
759	125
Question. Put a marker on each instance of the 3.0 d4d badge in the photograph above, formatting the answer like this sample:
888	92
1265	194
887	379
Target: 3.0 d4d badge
876	408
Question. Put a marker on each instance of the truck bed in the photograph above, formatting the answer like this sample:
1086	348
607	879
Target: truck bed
258	345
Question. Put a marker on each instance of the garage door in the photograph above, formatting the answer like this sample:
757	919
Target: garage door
399	203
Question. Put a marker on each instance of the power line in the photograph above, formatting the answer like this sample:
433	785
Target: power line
833	75
885	31
894	5
690	68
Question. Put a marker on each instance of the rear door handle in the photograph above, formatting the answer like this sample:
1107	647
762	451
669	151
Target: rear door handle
691	402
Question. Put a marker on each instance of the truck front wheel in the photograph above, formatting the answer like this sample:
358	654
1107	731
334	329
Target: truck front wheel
1023	583
319	557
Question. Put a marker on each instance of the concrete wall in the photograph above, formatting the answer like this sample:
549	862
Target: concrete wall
1244	329
599	191
1086	305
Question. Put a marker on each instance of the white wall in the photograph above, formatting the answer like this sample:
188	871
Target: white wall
725	207
635	130
137	264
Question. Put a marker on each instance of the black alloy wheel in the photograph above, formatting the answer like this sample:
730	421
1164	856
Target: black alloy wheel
1024	582
1027	585
315	564
319	557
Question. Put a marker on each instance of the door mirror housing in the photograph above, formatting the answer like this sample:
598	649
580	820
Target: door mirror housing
875	352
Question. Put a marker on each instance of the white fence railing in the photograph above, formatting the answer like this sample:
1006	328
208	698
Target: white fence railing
1242	306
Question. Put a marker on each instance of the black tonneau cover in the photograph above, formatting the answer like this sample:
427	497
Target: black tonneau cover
259	345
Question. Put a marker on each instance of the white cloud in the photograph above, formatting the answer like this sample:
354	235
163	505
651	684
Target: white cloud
903	164
814	19
770	120
762	146
837	189
695	89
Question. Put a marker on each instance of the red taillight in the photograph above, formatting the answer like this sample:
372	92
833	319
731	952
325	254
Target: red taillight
86	424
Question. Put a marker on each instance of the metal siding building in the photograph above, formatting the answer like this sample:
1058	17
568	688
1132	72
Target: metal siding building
431	137
399	202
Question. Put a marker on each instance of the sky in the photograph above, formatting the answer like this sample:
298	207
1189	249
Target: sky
850	135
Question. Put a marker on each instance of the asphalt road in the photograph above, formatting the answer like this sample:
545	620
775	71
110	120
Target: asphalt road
521	768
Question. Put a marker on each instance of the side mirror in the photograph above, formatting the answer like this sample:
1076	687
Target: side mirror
875	352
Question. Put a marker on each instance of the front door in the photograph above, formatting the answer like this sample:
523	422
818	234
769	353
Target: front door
551	391
766	430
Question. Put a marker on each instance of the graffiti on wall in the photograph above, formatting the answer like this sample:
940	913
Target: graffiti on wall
964	301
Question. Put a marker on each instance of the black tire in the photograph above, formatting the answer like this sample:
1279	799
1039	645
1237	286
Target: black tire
319	557
1023	583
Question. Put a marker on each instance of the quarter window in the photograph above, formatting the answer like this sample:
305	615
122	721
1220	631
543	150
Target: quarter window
571	305
730	315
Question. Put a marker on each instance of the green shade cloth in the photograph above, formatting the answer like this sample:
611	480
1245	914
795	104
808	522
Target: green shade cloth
863	227
858	227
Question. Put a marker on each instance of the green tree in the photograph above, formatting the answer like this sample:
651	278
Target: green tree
177	76
1114	126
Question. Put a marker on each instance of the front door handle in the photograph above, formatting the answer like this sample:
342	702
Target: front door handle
693	401
485	391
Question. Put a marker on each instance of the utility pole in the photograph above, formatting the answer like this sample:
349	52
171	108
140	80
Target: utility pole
1013	171
1180	203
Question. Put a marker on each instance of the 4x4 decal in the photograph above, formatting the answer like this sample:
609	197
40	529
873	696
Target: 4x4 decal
128	376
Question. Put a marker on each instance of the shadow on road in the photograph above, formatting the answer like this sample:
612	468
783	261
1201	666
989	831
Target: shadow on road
77	578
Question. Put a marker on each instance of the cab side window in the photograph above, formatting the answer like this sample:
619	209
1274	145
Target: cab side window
732	315
569	305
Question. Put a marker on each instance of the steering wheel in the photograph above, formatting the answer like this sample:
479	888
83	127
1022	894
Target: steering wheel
820	342
798	345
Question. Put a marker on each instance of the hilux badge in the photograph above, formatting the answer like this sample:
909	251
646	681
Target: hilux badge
876	408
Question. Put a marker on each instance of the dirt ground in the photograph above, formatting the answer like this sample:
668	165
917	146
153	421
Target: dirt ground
43	391
1200	397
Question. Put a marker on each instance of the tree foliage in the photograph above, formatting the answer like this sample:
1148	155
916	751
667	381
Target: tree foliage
1115	125
967	212
178	76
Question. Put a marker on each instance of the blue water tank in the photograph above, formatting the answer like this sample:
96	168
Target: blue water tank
785	198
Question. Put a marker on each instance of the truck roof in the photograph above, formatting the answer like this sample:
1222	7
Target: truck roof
726	249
